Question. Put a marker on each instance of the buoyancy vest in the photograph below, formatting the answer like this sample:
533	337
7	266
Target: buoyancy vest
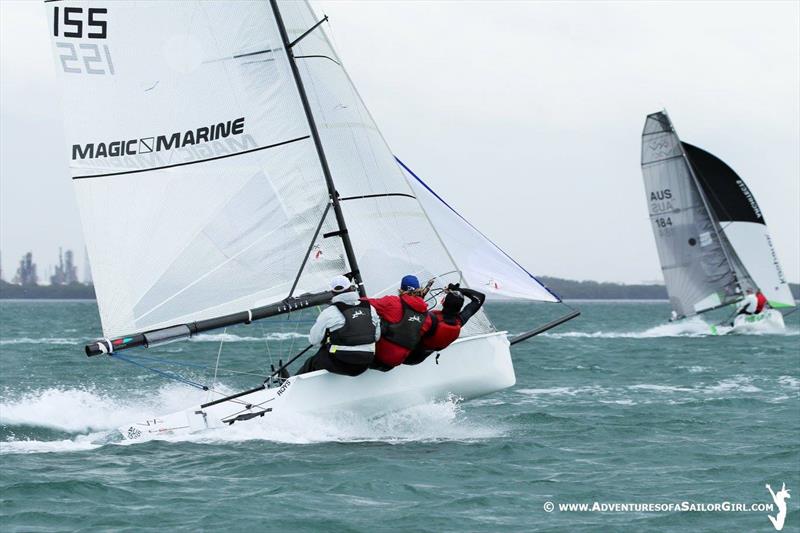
405	333
761	301
442	333
358	328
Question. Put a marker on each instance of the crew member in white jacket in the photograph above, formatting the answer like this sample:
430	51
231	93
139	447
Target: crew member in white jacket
346	332
749	304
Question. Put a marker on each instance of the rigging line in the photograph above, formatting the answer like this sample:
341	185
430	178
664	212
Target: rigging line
169	375
326	171
309	30
364	196
216	366
190	365
320	56
266	344
310	247
294	337
245	152
173	376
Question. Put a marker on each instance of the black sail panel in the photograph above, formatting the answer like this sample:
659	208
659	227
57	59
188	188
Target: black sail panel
728	195
742	226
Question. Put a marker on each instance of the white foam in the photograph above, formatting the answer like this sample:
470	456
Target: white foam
28	340
78	444
694	327
229	337
736	384
81	410
563	391
75	410
660	388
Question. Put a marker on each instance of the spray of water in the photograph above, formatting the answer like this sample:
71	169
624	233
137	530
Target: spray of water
93	417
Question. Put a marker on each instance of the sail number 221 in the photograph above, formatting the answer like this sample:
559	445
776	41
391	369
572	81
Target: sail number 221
80	23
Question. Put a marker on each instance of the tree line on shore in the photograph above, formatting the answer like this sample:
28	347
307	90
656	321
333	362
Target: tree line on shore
566	288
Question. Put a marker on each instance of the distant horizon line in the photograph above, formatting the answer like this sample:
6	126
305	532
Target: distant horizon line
652	283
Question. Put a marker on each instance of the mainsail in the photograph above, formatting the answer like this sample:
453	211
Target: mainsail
697	270
711	237
226	162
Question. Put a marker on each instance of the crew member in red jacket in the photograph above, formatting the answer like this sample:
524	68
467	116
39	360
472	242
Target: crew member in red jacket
761	301
752	304
404	320
447	323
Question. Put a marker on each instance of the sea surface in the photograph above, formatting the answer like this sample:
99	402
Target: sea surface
613	407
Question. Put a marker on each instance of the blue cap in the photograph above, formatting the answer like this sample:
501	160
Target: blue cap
409	283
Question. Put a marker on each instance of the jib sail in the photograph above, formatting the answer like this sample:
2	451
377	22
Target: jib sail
483	265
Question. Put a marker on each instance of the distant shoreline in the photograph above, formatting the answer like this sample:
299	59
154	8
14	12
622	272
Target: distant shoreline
565	288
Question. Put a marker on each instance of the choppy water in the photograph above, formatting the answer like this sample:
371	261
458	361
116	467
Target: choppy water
611	407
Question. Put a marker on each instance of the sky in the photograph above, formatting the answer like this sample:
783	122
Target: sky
525	116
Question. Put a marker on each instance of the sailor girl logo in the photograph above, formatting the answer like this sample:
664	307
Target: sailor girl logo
780	502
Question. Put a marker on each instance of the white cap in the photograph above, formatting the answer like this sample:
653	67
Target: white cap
340	284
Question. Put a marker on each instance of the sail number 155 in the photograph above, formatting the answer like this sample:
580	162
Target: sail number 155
72	24
80	23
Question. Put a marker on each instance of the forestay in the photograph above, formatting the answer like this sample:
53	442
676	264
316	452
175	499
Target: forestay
697	270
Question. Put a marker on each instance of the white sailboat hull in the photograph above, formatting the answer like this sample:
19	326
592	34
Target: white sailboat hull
770	321
469	368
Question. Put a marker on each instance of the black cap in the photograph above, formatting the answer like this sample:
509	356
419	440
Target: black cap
452	303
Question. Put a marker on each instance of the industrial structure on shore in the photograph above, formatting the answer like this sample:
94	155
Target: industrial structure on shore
64	273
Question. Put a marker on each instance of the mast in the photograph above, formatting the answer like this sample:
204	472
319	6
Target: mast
710	212
334	196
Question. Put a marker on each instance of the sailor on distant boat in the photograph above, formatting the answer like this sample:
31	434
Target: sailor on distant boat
752	304
404	320
761	306
346	332
447	323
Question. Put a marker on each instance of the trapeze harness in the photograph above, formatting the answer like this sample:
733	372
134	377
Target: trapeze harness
405	333
358	329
